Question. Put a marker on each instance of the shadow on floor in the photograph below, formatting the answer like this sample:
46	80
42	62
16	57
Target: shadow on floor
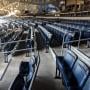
45	83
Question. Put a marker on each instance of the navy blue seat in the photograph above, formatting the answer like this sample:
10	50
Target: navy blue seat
74	72
24	68
18	83
70	58
81	72
23	79
60	34
65	65
86	34
87	84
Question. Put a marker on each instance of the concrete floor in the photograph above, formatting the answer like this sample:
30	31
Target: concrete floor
46	74
86	51
45	79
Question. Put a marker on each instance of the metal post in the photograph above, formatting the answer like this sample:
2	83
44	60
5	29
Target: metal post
79	38
35	44
63	44
47	46
88	43
6	57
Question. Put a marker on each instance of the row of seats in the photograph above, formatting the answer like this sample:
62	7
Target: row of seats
7	37
85	32
45	32
79	22
10	46
39	40
23	44
46	35
75	72
61	33
26	75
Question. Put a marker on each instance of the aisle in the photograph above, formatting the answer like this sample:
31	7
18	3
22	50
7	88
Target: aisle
45	79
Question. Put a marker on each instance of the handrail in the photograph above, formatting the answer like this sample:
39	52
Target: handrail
15	41
83	57
17	50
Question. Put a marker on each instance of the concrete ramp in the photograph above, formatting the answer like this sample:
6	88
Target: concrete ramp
45	79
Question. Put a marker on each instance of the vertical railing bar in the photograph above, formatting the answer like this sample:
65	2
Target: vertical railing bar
63	43
79	39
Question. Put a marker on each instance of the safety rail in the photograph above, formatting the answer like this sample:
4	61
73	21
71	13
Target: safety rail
13	37
78	43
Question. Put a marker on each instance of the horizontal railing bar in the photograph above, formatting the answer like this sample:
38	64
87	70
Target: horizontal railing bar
16	41
5	52
77	40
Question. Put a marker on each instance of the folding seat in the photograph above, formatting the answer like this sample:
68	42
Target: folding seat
68	37
66	63
18	83
24	68
81	72
87	84
29	76
74	72
26	71
70	58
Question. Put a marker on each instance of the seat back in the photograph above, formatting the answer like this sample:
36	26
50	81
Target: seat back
87	84
80	71
70	58
24	68
18	83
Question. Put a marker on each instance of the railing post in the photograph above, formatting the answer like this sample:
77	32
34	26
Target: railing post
79	39
63	43
6	57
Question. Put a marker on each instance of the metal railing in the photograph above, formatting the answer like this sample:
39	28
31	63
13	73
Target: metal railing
78	13
69	43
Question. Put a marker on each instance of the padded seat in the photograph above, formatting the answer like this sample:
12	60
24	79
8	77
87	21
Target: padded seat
65	65
70	58
67	75
67	61
24	68
74	73
81	72
87	84
18	83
